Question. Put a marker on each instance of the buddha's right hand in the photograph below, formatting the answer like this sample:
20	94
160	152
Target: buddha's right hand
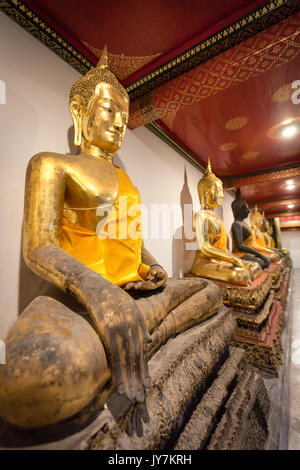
116	319
125	337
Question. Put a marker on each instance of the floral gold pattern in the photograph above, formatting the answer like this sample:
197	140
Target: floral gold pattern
250	155
236	123
228	146
283	94
122	65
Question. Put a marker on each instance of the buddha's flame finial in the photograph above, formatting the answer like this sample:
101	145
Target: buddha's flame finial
208	168
255	208
103	62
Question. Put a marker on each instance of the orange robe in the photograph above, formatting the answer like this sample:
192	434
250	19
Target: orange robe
117	258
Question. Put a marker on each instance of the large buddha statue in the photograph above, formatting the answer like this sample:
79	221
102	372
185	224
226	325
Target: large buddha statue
58	360
244	243
213	260
257	220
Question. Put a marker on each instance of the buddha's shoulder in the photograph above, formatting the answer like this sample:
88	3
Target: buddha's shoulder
51	158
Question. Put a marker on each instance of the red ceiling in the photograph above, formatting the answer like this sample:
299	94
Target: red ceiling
194	106
137	27
202	125
269	189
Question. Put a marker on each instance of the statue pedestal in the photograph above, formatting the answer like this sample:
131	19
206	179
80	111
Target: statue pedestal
259	312
197	380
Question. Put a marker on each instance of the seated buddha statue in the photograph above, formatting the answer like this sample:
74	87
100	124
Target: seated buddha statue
267	231
58	360
244	245
257	220
213	260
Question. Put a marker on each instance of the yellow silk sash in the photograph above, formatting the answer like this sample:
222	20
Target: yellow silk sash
260	240
117	259
221	242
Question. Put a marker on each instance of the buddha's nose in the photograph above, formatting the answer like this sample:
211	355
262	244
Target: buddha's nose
119	125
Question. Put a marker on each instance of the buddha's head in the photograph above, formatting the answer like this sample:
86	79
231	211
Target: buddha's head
266	226
239	206
256	219
210	189
99	107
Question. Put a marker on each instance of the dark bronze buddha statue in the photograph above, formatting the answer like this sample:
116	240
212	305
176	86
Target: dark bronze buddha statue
243	239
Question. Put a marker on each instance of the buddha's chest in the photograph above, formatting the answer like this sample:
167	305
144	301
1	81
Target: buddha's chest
246	231
90	185
214	228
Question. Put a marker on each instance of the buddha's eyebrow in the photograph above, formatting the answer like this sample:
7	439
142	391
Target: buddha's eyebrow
108	100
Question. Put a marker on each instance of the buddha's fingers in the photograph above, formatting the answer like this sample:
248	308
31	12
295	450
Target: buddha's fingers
121	362
144	368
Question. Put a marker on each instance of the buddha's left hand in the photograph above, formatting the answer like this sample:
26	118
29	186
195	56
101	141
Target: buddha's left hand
157	277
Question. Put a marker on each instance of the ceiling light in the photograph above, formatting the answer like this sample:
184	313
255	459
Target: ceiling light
289	131
290	186
290	182
285	129
290	206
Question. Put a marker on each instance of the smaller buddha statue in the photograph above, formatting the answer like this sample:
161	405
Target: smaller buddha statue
244	244
213	260
257	220
267	231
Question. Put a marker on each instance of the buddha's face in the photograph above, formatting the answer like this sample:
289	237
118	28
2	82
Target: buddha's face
256	221
215	195
104	120
244	210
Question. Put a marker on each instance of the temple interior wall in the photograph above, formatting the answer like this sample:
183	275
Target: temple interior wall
291	241
35	118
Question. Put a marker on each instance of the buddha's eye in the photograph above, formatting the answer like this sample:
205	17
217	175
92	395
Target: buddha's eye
108	109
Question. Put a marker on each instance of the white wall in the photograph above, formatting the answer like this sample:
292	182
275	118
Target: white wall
35	118
291	241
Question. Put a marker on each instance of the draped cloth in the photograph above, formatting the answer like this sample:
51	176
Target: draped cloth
117	257
221	242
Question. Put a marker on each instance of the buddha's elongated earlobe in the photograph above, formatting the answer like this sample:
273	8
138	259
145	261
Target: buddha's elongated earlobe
75	106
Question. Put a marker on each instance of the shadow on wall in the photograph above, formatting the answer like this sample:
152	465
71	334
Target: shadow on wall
182	259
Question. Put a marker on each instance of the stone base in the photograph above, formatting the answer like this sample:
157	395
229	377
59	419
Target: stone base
259	312
187	367
262	344
239	397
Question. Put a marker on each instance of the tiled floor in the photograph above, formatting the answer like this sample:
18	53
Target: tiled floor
284	392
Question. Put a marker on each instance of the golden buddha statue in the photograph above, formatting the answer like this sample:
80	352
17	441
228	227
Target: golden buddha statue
58	360
267	231
257	220
244	245
213	260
